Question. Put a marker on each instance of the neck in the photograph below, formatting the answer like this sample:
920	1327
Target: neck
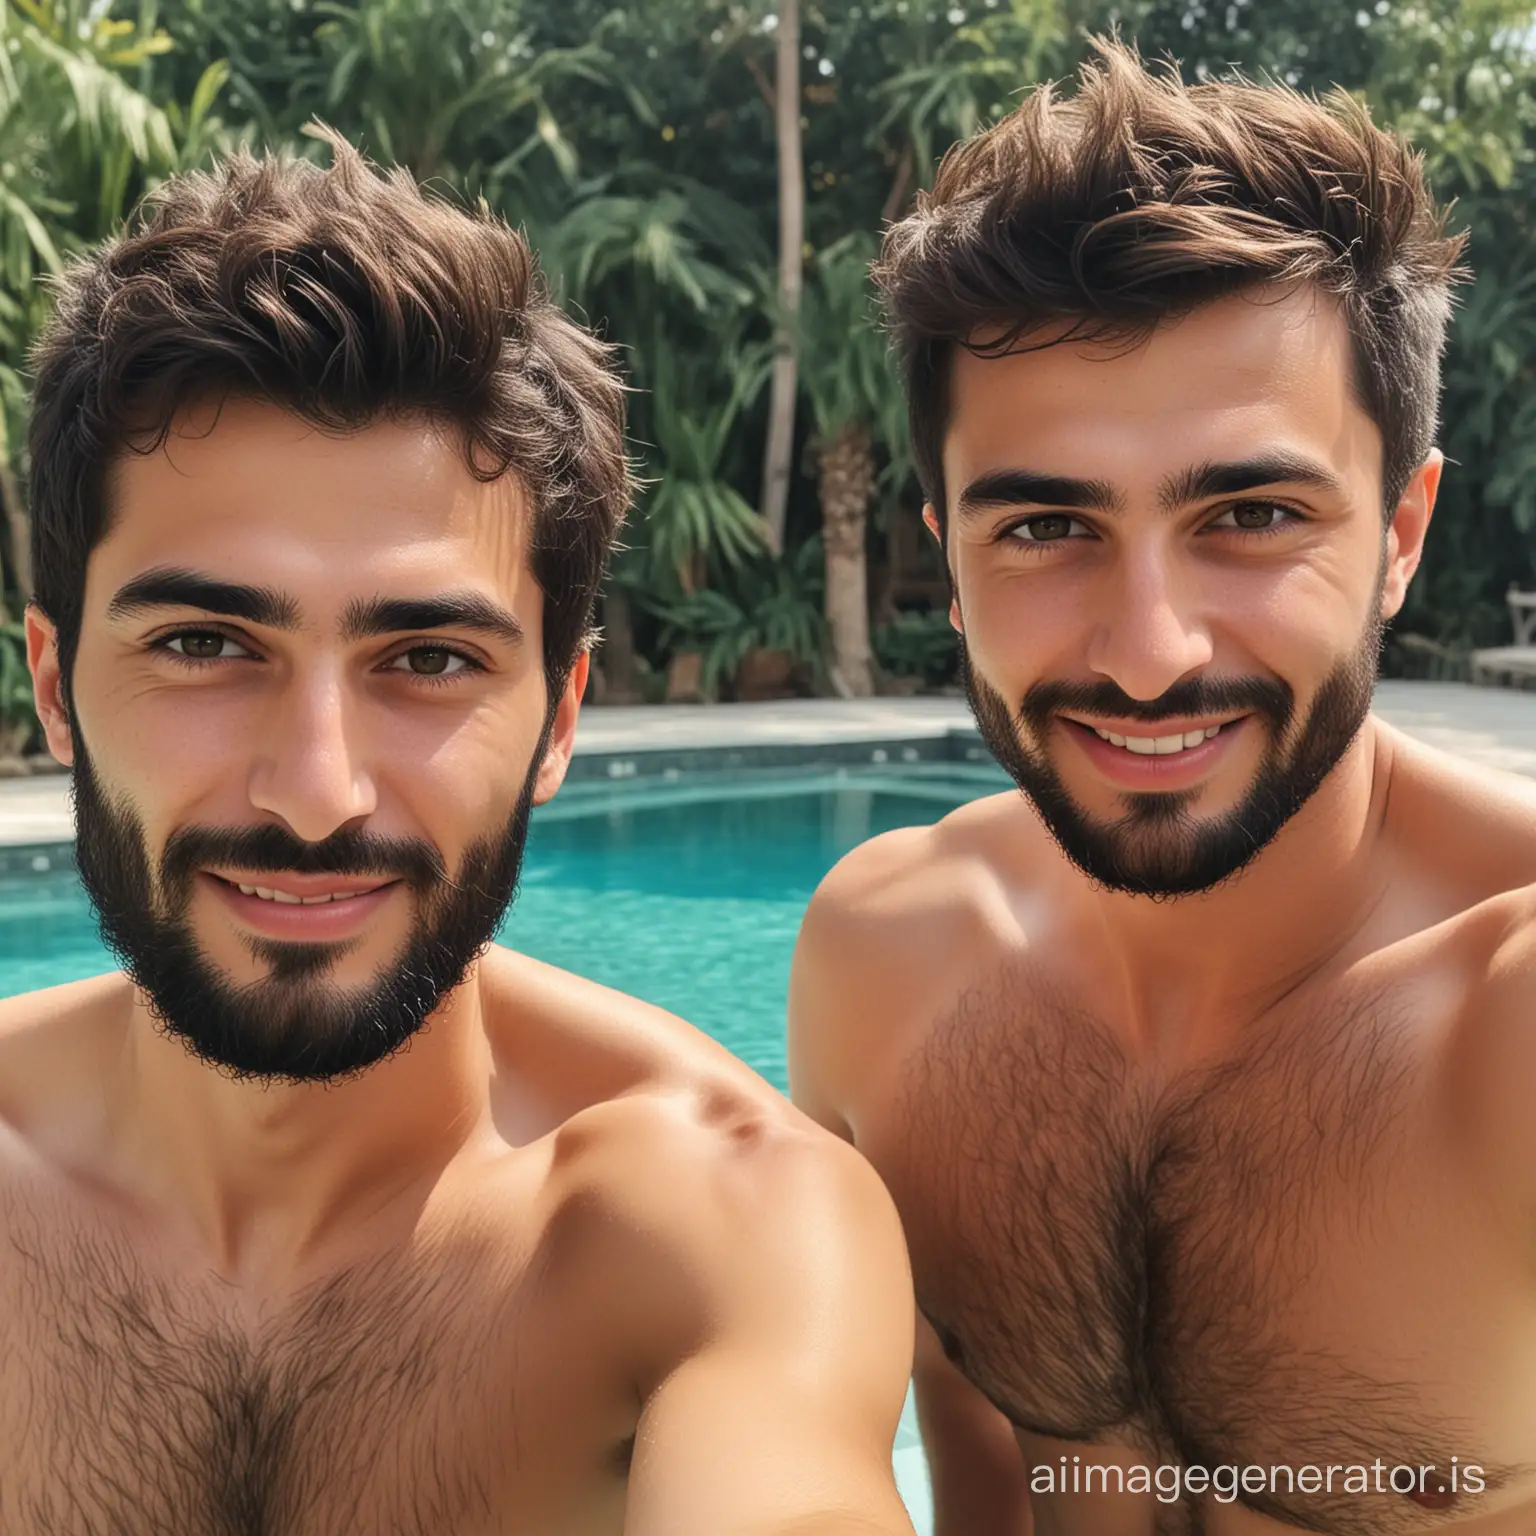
1187	972
269	1174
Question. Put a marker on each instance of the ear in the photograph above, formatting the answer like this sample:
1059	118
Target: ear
1406	531
48	685
562	735
931	518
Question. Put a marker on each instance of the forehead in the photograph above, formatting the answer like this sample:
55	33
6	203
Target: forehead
248	491
1253	370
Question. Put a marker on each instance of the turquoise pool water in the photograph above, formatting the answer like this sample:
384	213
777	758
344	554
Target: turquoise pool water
687	894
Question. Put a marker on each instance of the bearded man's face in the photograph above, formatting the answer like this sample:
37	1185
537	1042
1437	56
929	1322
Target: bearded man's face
307	720
1171	572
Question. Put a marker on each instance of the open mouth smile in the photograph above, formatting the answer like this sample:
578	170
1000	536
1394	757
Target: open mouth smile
1174	759
289	899
1159	746
317	908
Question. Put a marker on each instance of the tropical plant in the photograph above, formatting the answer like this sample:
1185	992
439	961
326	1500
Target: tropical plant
971	74
856	408
695	520
78	141
652	157
18	723
919	645
772	603
451	86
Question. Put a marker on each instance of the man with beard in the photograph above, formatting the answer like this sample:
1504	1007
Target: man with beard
323	487
1201	1072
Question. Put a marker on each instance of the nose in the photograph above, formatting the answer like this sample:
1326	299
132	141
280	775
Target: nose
1152	631
309	770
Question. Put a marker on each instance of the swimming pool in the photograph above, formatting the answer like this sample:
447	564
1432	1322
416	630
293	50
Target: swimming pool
688	894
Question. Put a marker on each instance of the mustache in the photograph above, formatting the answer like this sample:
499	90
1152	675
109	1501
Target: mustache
1268	697
275	850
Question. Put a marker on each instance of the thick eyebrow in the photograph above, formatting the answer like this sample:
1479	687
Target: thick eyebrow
1202	481
447	610
1029	488
174	587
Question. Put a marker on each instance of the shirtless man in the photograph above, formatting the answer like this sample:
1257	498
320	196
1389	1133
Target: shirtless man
1202	1072
323	487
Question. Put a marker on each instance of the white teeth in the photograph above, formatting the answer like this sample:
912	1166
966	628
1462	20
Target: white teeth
284	899
1158	746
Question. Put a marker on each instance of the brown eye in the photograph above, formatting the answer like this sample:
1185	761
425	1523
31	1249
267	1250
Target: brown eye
202	645
1048	528
1256	516
431	661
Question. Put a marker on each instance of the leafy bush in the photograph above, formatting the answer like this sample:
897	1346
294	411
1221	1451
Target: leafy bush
920	645
768	604
19	727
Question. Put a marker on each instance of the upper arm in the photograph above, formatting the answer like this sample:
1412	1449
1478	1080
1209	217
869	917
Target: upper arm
781	1416
979	1479
1493	1072
843	960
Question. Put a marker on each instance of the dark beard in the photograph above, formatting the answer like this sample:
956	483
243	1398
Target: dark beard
293	1025
1156	848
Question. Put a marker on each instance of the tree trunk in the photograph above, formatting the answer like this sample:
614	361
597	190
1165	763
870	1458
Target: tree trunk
779	452
846	472
619	648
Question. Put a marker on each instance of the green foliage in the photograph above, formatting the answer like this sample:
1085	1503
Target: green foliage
768	604
848	373
18	724
920	645
691	513
634	142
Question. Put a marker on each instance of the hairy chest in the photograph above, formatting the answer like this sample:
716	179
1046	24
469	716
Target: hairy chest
411	1398
1259	1261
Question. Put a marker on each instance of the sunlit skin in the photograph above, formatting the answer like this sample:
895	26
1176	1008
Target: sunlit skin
399	1288
1151	576
1206	504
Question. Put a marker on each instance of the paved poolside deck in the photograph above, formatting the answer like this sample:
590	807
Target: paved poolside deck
1492	726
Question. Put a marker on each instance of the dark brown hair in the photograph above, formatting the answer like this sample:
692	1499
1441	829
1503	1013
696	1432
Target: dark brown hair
1140	198
347	296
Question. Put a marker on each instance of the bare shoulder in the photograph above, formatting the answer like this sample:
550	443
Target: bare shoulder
724	1212
1474	825
1490	1053
888	932
52	1044
921	883
74	1003
580	1043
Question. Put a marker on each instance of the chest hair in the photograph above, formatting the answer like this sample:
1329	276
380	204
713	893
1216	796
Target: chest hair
134	1407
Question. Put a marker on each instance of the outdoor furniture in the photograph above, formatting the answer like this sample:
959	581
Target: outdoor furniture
1511	665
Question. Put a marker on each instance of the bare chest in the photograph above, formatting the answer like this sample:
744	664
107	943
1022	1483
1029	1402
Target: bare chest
1265	1261
421	1398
